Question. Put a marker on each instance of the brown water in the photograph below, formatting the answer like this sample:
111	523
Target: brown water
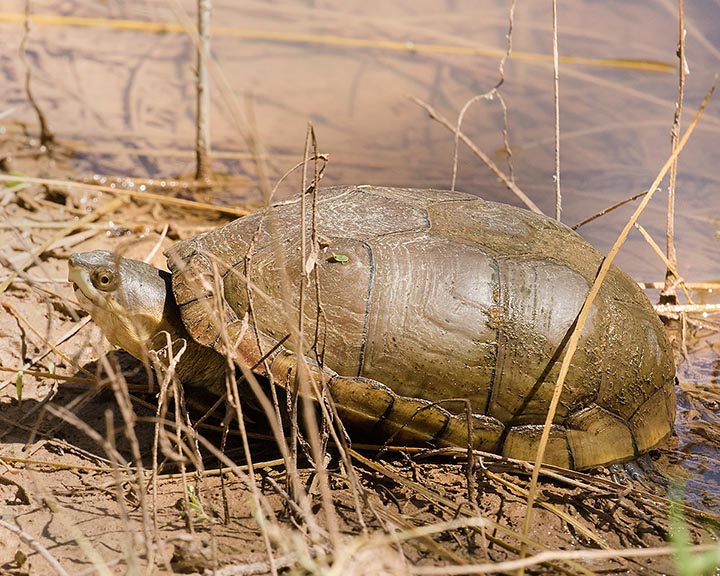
126	97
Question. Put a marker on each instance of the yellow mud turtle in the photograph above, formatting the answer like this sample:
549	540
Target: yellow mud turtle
416	303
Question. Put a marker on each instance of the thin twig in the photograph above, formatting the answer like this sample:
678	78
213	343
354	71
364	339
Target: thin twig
318	441
203	172
677	280
47	138
21	319
556	100
554	555
480	154
76	327
250	569
67	184
43	374
606	210
668	294
35	545
488	96
667	309
689	285
245	126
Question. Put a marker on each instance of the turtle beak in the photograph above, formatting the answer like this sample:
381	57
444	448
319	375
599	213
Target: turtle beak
79	277
74	272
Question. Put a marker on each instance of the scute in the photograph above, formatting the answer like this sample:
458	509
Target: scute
595	434
522	443
533	326
648	422
428	314
439	299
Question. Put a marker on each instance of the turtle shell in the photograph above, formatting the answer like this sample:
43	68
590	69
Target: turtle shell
427	306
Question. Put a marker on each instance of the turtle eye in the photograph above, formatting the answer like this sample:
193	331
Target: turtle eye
103	279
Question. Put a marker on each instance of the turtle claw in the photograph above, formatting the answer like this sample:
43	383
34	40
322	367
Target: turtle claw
639	471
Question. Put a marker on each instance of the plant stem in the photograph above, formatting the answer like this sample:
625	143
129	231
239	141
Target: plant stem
202	148
668	295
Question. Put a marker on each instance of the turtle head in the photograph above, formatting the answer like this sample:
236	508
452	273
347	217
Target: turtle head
130	300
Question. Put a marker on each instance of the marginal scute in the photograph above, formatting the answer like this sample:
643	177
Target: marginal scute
595	434
486	432
522	442
360	401
411	421
652	422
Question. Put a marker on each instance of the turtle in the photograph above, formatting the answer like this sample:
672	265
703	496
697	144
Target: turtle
421	310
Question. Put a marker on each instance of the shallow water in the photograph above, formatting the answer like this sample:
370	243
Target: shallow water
126	97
